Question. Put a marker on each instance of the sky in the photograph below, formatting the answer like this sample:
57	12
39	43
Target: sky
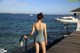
36	6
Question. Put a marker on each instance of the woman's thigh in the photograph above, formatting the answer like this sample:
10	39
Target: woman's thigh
43	46
37	46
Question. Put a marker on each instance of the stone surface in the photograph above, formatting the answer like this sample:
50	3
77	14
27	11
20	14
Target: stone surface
70	44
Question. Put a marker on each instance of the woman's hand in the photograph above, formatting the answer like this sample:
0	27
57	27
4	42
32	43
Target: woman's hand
25	37
46	42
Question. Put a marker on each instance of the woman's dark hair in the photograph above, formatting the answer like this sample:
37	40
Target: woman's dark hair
39	16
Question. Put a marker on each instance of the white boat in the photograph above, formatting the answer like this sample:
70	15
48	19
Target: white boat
31	14
68	19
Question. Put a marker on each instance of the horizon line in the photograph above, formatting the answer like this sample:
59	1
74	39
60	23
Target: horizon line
36	13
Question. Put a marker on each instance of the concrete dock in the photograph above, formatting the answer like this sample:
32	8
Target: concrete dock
70	44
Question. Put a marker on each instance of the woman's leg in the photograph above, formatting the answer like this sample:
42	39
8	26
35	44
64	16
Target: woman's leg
37	47
43	46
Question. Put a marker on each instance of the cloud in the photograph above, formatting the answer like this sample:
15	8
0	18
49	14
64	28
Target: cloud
12	3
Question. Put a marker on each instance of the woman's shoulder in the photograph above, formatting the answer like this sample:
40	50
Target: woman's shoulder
36	23
44	23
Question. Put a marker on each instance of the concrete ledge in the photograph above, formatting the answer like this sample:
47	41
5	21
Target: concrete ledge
70	44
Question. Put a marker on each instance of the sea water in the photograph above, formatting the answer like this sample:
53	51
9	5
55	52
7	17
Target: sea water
13	26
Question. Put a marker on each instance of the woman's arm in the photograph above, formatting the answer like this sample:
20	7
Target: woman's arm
45	33
33	29
32	32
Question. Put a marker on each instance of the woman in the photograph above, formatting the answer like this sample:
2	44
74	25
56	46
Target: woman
40	38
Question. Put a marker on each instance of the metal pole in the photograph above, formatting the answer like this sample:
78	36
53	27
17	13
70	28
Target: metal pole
25	45
67	29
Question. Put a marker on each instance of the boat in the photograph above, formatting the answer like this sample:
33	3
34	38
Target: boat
31	14
67	20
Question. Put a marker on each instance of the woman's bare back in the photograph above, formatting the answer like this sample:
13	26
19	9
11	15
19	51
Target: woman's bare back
39	26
